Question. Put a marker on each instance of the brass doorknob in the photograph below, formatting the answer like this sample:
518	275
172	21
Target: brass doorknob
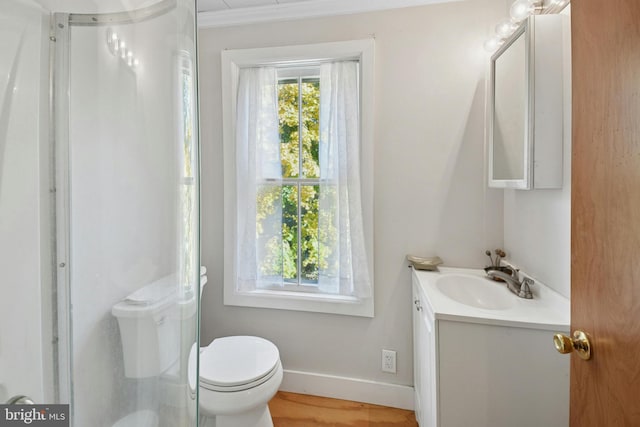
579	342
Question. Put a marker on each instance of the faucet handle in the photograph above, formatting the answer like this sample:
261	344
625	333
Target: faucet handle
525	290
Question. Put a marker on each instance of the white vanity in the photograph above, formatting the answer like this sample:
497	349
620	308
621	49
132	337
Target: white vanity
484	357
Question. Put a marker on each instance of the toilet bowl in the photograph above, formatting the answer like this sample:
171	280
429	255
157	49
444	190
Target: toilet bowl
238	377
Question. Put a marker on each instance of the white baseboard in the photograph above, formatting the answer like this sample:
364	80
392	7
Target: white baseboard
373	392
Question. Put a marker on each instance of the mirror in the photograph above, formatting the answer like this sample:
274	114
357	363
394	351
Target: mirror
525	128
510	145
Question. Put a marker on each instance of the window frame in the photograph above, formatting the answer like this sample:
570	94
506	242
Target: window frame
287	56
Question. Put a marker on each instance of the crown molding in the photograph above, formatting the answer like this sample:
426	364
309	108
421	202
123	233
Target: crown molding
301	10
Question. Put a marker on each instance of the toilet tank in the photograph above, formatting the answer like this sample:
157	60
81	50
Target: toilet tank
150	322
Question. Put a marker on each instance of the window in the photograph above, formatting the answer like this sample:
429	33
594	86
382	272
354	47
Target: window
299	126
298	184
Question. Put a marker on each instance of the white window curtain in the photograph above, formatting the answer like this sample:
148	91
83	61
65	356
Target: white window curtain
343	268
258	180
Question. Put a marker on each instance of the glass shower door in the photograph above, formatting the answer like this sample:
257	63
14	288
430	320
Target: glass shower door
128	236
99	231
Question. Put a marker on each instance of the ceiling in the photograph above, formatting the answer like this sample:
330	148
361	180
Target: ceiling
215	5
220	13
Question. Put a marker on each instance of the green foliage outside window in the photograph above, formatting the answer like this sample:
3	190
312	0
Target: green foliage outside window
299	143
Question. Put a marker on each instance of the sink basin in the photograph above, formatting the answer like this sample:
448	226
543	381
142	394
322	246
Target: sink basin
475	291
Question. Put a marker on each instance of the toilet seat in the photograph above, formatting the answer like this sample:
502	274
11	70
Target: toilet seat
237	363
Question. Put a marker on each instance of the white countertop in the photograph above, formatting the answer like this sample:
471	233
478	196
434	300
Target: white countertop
548	310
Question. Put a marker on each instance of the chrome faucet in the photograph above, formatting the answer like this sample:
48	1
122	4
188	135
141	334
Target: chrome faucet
521	289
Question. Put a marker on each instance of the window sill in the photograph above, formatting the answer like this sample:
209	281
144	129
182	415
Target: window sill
301	301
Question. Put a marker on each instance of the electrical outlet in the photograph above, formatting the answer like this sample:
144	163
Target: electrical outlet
389	361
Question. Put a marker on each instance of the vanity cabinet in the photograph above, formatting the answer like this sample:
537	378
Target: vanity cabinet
424	360
484	374
526	88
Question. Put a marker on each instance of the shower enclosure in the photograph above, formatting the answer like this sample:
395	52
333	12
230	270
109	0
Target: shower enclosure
99	194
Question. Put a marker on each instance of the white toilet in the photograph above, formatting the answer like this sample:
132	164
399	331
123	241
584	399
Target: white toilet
238	374
151	320
238	377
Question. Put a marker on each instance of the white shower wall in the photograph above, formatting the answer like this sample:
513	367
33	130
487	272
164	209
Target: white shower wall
25	329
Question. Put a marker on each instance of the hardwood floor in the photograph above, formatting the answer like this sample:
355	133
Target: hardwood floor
300	410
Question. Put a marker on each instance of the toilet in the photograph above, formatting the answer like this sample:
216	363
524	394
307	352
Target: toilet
238	377
238	374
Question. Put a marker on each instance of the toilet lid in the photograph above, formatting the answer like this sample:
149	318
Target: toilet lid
236	361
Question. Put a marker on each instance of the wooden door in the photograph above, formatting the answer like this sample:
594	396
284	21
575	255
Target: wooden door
605	248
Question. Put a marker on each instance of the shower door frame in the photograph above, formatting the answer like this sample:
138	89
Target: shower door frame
59	140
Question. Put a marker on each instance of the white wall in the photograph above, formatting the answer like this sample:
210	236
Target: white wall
537	223
430	193
25	330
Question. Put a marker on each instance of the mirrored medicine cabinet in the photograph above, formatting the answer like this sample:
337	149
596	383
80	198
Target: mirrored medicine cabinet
525	129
